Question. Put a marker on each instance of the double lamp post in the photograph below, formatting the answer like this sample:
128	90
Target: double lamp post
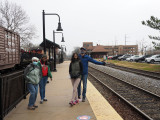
44	39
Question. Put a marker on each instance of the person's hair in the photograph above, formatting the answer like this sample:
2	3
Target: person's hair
73	59
44	62
44	55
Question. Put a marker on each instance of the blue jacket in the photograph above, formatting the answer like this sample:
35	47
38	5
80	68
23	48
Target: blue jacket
85	59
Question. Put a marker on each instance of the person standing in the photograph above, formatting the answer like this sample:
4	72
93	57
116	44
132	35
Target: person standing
45	70
75	71
85	59
104	57
32	75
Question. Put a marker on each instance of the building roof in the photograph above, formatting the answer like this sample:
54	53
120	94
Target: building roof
90	47
49	44
99	48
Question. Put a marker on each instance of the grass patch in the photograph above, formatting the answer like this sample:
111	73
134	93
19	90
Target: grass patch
142	66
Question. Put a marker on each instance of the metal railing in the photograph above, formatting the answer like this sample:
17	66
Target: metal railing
12	90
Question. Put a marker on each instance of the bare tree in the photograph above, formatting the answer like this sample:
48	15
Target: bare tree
14	18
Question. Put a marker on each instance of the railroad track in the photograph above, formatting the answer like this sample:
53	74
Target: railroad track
143	101
154	75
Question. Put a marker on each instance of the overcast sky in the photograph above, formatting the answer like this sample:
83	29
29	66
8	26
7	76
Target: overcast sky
102	22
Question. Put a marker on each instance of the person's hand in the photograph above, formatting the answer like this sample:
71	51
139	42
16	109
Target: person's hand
104	63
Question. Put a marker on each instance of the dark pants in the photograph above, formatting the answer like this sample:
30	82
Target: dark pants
84	79
42	86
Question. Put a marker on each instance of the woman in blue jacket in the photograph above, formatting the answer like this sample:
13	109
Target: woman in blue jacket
85	59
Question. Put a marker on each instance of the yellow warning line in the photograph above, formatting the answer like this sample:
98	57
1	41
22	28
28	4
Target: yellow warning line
101	108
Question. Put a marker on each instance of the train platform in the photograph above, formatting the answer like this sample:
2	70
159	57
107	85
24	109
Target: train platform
58	93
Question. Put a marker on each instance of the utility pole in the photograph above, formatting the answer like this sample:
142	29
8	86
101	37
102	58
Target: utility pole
115	39
125	37
145	50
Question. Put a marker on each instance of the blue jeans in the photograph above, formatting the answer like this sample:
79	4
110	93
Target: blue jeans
42	86
33	89
84	79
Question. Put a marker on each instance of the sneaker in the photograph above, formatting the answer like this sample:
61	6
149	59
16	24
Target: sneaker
45	99
71	103
41	102
77	101
35	106
83	99
79	97
31	108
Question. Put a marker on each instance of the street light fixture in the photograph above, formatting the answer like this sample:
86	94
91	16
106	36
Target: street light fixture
59	26
55	48
58	29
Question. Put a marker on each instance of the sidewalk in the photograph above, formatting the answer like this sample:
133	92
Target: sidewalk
58	93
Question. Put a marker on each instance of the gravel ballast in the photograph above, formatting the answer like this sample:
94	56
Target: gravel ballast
147	83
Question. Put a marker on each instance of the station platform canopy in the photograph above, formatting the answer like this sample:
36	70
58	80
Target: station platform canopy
49	44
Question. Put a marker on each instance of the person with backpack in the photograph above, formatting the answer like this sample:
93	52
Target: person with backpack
75	71
85	59
32	76
45	71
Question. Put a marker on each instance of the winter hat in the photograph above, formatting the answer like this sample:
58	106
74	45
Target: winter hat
82	48
35	58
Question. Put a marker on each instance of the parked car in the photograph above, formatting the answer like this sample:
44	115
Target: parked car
142	58
152	59
116	57
124	57
132	58
109	57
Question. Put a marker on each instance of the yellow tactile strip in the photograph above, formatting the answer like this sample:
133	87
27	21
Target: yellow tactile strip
101	108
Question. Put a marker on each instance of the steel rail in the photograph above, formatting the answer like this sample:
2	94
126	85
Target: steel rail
127	83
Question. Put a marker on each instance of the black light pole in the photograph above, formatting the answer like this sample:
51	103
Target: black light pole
62	52
44	40
58	29
55	48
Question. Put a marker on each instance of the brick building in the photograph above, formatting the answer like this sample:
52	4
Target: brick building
101	50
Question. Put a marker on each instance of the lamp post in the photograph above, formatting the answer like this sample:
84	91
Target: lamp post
62	52
55	48
58	29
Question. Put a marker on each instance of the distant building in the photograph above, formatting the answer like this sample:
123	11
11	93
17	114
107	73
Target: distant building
87	44
101	50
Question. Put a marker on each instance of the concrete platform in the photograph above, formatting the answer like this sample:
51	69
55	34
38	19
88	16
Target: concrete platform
58	93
